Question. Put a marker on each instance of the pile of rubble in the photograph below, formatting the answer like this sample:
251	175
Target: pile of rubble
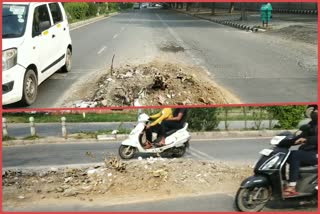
138	178
154	84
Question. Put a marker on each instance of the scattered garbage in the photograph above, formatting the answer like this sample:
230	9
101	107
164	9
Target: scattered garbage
155	83
85	104
122	179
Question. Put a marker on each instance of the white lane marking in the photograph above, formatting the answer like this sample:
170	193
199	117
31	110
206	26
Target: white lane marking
101	50
122	29
204	155
115	36
195	155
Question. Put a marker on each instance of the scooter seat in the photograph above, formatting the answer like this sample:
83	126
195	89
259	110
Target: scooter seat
170	132
309	169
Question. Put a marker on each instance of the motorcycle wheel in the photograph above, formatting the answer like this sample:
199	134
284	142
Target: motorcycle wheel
244	199
126	152
179	151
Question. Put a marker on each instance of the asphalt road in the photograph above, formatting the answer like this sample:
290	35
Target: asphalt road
258	68
231	150
203	203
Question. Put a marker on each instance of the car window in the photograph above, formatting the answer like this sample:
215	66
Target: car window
41	19
55	12
14	18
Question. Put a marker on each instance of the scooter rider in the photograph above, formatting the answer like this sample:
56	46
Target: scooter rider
176	122
155	125
305	155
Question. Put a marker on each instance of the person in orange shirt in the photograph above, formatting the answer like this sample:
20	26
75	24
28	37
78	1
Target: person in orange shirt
155	126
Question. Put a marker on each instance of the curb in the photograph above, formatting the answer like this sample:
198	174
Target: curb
313	12
79	24
120	137
229	23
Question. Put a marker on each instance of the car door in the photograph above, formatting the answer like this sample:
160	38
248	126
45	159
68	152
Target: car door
42	37
59	30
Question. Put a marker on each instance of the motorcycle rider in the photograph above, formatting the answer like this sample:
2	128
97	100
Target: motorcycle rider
155	125
305	155
175	122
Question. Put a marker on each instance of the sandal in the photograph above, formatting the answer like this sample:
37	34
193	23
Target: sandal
147	145
290	192
160	144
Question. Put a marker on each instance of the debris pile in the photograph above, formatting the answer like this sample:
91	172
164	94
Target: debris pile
154	84
138	178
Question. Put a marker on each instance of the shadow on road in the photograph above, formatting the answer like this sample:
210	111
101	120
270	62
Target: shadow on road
294	204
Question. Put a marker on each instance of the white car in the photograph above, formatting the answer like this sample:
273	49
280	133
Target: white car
36	43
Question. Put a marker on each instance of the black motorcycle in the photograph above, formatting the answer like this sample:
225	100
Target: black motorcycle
267	182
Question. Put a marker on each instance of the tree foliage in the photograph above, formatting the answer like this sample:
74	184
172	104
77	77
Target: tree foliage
288	116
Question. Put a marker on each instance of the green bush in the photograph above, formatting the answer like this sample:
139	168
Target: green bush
203	119
103	8
76	10
113	6
288	116
92	9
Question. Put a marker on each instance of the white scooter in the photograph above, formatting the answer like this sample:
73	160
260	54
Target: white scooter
177	141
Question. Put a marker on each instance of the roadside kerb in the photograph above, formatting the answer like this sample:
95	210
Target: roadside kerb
79	24
229	23
315	12
118	138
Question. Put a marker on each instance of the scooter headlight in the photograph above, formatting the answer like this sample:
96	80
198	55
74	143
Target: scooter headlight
9	59
270	163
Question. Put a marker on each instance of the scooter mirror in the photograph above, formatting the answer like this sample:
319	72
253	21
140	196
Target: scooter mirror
309	110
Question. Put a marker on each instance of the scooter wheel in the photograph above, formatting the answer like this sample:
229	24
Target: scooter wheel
245	203
179	152
126	152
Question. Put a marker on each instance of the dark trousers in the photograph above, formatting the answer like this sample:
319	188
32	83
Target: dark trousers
169	125
152	129
300	158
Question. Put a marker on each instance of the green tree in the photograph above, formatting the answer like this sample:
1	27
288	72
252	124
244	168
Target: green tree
288	116
203	119
92	10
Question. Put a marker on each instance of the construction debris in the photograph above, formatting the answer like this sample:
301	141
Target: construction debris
117	178
154	83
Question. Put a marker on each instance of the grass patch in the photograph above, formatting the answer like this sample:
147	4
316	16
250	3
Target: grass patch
35	137
130	116
7	138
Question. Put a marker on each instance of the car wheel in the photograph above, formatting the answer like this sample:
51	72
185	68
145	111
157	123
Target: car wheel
30	88
68	65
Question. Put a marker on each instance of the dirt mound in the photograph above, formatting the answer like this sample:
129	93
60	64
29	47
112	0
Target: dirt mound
304	33
116	179
156	83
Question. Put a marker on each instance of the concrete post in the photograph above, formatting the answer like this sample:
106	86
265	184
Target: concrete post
32	127
64	128
4	127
